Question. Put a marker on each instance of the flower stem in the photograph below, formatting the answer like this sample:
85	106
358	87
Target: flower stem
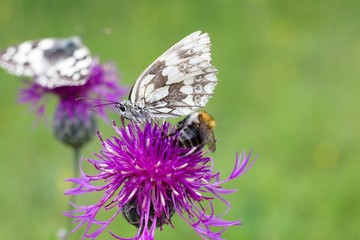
76	174
76	154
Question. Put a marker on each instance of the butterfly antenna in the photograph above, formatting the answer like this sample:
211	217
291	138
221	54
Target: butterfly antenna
107	102
96	99
100	105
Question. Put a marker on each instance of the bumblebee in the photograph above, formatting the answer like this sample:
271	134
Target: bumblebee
197	130
131	212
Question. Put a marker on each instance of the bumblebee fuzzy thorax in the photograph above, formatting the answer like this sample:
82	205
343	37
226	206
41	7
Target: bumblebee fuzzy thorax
207	119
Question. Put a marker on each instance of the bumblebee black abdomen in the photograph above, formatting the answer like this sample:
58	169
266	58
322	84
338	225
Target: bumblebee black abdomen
131	213
189	137
196	130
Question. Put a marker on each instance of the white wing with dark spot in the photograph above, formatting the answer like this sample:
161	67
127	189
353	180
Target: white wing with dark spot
180	81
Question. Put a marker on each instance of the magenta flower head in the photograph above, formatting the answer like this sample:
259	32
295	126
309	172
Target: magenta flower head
73	123
144	175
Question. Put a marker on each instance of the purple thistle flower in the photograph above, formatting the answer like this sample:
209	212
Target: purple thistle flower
103	83
144	175
73	123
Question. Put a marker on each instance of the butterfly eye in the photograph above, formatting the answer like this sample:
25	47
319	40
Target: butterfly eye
121	107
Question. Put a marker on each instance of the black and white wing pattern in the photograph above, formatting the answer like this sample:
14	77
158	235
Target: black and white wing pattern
180	81
52	62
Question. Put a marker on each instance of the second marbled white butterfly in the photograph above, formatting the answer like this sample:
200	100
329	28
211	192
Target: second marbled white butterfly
52	62
178	83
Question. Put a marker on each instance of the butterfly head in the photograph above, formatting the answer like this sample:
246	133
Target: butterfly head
73	43
121	108
131	112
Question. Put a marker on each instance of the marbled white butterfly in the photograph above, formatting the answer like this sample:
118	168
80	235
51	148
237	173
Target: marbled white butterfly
178	83
52	62
197	130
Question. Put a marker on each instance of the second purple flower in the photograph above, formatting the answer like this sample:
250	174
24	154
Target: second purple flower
73	123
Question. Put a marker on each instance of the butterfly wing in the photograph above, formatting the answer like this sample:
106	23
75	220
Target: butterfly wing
70	62
180	81
52	62
15	59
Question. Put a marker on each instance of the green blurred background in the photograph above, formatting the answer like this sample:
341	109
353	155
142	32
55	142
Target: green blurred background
288	88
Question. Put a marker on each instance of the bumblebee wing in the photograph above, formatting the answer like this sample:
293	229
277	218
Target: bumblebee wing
207	136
